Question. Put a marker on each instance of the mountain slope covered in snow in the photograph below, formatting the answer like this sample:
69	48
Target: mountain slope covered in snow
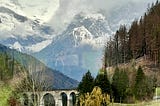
22	31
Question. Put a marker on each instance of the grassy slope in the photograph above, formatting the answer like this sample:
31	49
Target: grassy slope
152	103
158	91
150	69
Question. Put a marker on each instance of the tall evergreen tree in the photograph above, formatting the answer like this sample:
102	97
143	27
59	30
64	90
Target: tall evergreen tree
87	83
120	83
139	88
123	43
116	48
103	82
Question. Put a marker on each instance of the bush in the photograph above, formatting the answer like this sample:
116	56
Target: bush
5	92
8	96
95	98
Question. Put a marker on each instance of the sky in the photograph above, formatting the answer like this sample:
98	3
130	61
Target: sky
43	9
69	8
59	13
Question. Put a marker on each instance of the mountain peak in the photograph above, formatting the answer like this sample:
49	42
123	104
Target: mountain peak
81	34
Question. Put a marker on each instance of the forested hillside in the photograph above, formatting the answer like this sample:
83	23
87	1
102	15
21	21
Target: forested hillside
131	62
13	62
8	65
142	39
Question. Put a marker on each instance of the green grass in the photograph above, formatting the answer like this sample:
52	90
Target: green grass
152	103
158	91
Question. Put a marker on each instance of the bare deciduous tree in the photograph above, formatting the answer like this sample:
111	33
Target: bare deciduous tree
35	80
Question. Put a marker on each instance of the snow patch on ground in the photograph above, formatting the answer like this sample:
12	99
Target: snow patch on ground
17	46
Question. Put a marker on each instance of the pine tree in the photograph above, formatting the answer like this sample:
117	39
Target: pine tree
143	85
103	82
139	88
120	83
116	48
123	43
87	83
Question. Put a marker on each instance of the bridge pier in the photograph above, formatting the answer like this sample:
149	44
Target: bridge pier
57	102
68	102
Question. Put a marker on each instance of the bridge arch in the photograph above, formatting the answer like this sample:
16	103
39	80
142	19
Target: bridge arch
72	99
48	100
60	97
64	98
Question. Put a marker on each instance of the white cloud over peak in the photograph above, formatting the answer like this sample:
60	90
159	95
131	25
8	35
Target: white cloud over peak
59	13
40	9
69	8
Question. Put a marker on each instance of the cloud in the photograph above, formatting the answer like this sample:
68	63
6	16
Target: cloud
41	9
69	8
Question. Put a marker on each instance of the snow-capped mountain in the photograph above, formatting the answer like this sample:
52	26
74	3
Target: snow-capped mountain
74	51
91	29
79	48
21	32
27	27
82	35
33	10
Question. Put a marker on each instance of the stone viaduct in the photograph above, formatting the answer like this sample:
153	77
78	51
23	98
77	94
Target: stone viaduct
50	98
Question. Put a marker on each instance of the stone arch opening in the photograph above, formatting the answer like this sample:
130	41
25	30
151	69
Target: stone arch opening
72	99
34	100
64	99
49	100
25	100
